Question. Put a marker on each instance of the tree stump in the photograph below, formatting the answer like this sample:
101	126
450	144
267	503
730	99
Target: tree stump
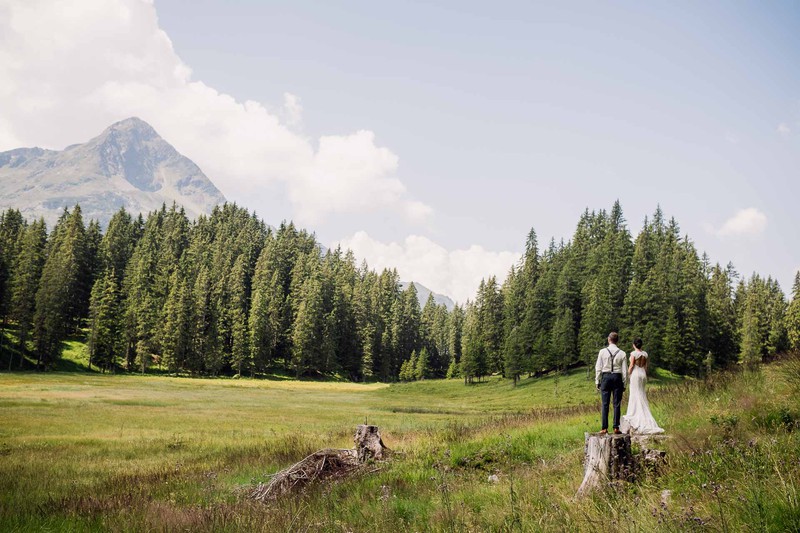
324	465
607	458
368	443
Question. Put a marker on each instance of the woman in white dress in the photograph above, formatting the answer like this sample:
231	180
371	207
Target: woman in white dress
638	419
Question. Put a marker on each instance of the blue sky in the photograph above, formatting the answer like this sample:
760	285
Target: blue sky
507	115
496	117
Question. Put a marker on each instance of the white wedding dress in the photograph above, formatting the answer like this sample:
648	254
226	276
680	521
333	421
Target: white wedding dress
638	420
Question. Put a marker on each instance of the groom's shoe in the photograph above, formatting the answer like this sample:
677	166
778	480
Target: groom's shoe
604	432
617	431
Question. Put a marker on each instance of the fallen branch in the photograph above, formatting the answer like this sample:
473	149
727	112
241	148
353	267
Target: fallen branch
324	465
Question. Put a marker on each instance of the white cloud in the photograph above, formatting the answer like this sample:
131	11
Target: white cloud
292	109
731	137
71	68
455	273
348	173
784	129
748	221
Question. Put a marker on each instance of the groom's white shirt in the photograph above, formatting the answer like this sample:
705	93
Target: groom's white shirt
604	363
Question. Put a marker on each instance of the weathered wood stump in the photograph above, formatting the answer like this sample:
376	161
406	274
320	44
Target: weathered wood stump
607	459
368	443
324	465
650	459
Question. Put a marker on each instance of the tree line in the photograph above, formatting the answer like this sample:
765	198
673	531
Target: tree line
227	294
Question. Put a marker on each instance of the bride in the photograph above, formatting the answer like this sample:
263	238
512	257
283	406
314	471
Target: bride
638	419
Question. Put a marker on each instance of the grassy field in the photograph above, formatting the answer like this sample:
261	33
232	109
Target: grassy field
82	451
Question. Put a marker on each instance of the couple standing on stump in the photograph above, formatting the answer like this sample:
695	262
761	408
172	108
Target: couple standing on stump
610	378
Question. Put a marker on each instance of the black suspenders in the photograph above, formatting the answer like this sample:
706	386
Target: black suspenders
612	358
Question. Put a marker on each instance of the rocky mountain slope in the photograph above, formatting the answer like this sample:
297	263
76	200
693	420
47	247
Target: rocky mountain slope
423	292
128	164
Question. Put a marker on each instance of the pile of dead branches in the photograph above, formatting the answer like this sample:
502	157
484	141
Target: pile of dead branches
324	465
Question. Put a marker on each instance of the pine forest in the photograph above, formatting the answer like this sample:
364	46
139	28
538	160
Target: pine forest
228	295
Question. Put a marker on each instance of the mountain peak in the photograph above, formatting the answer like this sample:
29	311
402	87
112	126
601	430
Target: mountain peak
128	164
132	130
132	124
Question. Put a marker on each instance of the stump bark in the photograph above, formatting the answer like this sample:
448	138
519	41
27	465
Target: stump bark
607	459
368	443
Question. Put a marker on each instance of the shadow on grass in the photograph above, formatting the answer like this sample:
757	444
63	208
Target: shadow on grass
70	365
538	380
664	377
10	353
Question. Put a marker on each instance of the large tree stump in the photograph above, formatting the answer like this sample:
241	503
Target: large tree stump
650	459
607	458
368	443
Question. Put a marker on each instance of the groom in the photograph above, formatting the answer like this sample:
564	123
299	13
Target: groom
610	375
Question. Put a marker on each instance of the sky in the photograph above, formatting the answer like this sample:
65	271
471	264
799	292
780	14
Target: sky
431	136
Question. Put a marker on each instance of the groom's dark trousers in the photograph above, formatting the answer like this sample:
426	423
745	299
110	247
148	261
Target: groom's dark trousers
611	384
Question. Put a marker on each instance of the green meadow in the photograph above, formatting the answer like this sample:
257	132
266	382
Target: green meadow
87	451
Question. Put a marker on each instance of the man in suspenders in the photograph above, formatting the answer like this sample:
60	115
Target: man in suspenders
610	376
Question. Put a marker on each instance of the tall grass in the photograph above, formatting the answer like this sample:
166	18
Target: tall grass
88	452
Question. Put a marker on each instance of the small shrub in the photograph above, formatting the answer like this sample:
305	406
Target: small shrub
726	422
776	418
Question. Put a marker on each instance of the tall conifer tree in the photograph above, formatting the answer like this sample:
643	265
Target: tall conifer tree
793	316
25	281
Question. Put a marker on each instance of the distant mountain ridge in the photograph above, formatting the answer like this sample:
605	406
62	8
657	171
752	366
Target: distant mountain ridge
424	292
128	165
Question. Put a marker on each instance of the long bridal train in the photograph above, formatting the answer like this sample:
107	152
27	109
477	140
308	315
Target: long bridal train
638	420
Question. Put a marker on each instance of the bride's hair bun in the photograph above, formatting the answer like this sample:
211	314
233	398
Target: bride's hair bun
638	343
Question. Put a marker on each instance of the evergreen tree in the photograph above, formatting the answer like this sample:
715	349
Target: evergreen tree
367	320
404	374
514	356
25	281
309	327
105	322
388	299
59	296
427	324
266	311
405	327
422	367
453	371
750	352
672	342
563	342
441	344
491	318
241	355
455	327
473	352
208	342
92	261
12	226
178	333
722	336
540	309
793	316
142	301
595	325
514	352
117	245
408	368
